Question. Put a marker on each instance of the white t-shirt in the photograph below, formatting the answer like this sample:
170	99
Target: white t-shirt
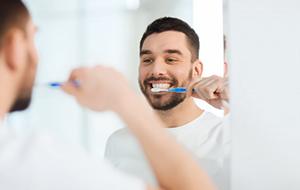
207	137
39	162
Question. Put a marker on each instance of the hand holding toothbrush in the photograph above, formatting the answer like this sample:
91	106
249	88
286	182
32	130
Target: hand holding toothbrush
214	90
101	88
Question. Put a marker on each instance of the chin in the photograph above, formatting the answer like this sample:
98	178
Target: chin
164	106
20	105
168	102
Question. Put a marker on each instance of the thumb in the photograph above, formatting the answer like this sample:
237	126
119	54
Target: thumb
69	88
191	86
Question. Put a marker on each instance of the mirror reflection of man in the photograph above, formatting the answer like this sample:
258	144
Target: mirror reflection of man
169	58
39	162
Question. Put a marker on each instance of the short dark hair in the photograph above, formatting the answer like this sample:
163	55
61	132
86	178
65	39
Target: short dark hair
174	24
13	13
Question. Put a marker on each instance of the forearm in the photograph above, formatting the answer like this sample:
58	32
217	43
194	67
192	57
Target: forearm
174	168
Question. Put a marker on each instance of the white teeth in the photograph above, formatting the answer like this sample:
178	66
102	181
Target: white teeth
155	90
162	86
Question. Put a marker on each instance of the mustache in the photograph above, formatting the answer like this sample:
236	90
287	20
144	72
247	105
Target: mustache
172	81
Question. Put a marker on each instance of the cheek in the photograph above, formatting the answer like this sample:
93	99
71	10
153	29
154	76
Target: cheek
182	74
142	74
32	59
33	54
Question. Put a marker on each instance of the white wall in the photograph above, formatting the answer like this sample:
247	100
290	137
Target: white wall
265	63
208	23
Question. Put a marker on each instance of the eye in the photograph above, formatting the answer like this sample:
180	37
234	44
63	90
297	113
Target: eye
171	60
147	60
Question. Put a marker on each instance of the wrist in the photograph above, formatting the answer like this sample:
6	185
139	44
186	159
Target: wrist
123	101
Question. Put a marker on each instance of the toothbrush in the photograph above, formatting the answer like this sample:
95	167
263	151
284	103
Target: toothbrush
176	90
59	84
54	84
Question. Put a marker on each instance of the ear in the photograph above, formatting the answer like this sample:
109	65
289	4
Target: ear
197	68
14	49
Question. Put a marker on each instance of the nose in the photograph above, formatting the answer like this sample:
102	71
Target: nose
159	68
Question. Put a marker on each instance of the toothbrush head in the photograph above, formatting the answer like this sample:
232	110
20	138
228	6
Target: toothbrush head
176	90
156	90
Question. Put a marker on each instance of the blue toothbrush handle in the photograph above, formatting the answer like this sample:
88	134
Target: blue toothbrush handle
55	84
59	84
178	90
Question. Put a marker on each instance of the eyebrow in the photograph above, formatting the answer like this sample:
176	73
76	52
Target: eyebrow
173	51
145	52
169	51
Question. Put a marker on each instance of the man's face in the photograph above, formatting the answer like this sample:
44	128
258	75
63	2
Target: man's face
165	62
29	60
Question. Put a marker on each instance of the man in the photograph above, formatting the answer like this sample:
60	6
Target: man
168	59
38	162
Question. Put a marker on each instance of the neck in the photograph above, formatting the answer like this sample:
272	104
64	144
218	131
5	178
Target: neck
182	114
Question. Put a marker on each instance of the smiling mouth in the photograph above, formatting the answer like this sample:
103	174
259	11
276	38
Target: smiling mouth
158	88
161	85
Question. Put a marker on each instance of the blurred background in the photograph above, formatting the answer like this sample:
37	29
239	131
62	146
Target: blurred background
73	33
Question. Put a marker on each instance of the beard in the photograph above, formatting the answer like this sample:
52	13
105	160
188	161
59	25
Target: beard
23	99
173	101
167	101
21	104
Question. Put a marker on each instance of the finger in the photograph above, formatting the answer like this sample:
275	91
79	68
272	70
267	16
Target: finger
212	94
78	74
225	94
223	89
70	88
209	88
206	81
201	81
72	85
199	94
211	82
200	89
197	86
224	83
